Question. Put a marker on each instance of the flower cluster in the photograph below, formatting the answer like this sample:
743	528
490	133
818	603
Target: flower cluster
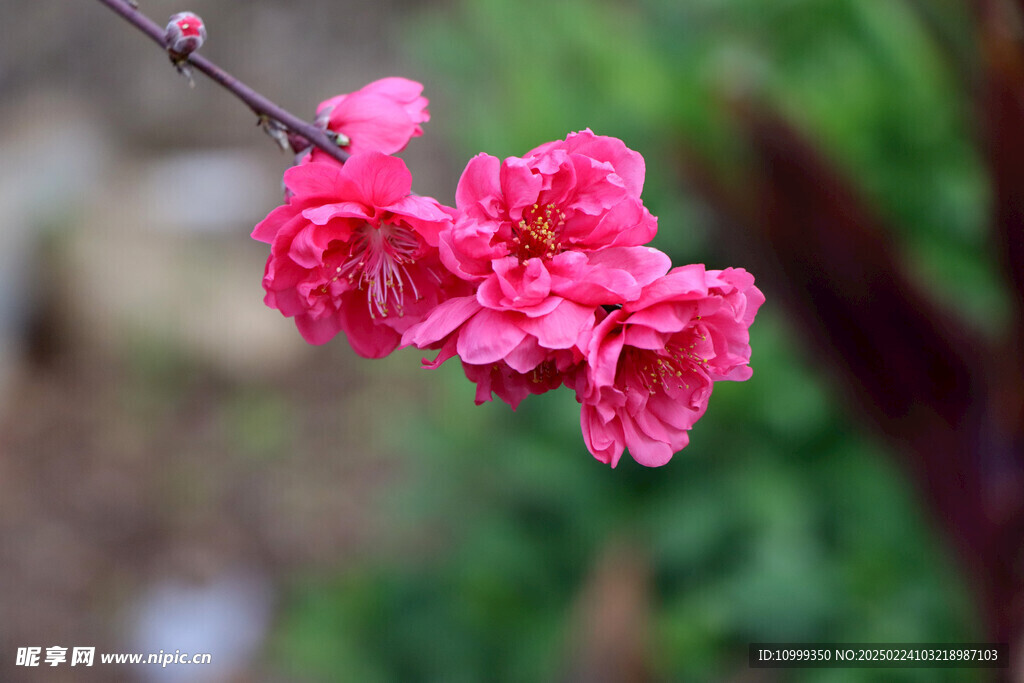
538	277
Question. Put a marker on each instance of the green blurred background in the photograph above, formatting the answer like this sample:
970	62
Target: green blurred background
405	534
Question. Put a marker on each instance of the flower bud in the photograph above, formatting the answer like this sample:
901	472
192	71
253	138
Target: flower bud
185	34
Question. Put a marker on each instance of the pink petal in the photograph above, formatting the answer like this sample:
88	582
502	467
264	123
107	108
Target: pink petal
308	247
466	250
381	180
541	309
488	337
674	413
373	123
645	264
612	276
366	336
319	330
627	223
519	186
498	379
267	229
447	351
629	165
318	181
561	328
479	186
663	318
444	320
398	89
597	186
603	439
320	215
680	284
424	215
522	284
596	286
645	450
603	352
527	356
643	337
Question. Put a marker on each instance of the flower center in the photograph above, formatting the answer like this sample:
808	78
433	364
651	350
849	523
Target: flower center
658	370
377	262
537	234
545	373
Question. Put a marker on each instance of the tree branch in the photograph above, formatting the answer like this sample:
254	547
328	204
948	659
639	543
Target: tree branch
263	107
1002	103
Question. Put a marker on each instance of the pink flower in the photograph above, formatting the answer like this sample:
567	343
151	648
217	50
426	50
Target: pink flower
382	116
546	239
353	251
652	363
510	385
566	220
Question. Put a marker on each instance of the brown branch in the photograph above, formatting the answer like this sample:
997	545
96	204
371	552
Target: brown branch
913	362
262	106
1002	102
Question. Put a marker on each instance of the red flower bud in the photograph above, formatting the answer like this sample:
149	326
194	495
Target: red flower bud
185	34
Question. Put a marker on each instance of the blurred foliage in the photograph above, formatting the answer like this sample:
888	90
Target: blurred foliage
780	522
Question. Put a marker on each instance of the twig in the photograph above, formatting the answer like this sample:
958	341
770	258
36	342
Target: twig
263	107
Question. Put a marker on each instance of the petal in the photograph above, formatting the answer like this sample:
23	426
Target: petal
267	229
685	283
603	439
527	356
466	249
490	294
645	264
320	215
488	337
597	187
628	164
424	215
646	450
603	352
317	181
478	186
627	223
507	385
317	330
522	284
395	88
444	320
643	337
541	309
677	414
308	247
373	123
612	276
447	351
365	335
666	318
596	286
562	327
519	186
381	180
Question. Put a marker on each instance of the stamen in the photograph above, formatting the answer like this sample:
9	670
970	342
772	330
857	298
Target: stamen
657	370
544	373
537	234
378	260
